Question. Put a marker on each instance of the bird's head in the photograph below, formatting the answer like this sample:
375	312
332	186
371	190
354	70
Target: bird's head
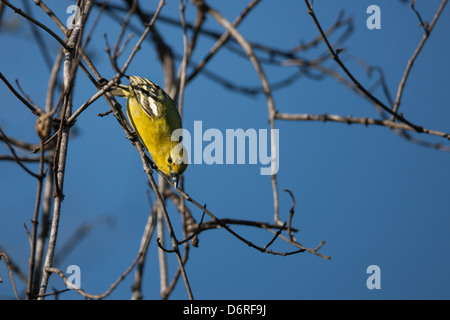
173	162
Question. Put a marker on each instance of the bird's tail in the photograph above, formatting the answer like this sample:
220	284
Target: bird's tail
118	90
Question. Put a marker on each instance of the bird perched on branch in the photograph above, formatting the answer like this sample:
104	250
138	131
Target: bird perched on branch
156	120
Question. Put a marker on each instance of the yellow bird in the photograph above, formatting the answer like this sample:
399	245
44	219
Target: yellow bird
155	118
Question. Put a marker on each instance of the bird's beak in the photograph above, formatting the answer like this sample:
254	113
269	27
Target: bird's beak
175	177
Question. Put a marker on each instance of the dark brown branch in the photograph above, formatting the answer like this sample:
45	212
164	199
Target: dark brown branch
291	214
275	237
424	24
23	100
212	224
16	158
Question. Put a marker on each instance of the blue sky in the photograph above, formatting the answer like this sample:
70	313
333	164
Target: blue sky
375	198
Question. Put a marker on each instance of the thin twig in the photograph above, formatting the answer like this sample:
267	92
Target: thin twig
43	230
335	56
422	23
145	241
185	59
275	237
411	61
95	296
162	259
34	222
16	158
51	14
222	39
196	232
291	214
11	276
364	121
23	100
137	47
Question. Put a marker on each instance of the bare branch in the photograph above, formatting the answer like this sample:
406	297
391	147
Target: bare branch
411	61
335	56
291	214
16	158
69	72
50	13
365	121
23	100
222	39
89	295
11	276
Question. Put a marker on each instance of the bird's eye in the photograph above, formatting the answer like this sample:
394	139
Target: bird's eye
169	160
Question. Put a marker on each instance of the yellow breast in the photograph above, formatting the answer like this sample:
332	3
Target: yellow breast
154	132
